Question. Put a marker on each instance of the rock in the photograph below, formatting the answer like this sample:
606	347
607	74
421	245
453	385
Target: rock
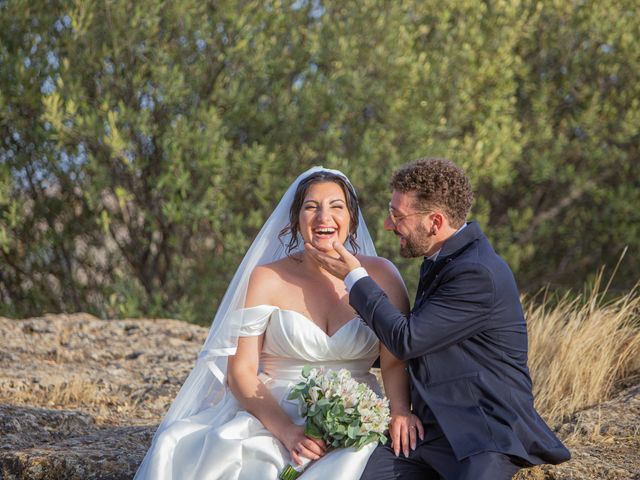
104	453
80	398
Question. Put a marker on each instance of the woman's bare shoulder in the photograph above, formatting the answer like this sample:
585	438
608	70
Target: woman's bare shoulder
378	265
262	283
385	274
278	267
274	272
267	281
382	271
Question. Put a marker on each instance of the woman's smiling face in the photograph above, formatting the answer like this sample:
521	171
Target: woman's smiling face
324	216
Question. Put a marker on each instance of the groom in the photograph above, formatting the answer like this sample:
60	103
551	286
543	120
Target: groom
465	340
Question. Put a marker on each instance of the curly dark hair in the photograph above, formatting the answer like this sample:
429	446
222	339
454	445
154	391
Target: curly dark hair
298	199
438	183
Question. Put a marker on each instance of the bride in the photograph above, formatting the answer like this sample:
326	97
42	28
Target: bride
232	418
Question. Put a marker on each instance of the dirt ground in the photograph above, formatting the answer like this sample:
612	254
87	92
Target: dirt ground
80	399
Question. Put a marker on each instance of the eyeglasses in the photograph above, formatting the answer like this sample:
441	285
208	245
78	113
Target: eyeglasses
395	219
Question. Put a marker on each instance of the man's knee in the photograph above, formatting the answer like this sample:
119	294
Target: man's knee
384	465
379	464
488	466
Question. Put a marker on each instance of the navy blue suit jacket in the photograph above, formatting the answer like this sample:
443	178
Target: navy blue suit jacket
465	342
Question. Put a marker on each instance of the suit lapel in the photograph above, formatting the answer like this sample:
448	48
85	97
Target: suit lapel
426	271
450	250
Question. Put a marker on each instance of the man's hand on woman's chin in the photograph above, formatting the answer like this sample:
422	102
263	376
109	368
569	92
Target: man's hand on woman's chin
338	267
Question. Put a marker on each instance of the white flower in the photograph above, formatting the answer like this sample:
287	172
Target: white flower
313	394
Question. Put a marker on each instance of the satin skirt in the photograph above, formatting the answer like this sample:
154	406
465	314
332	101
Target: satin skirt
226	442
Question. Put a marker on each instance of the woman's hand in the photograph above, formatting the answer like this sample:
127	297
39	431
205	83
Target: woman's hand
299	445
404	430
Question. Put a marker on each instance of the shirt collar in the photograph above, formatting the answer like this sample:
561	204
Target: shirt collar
435	255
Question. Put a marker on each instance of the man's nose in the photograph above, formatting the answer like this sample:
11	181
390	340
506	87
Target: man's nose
388	224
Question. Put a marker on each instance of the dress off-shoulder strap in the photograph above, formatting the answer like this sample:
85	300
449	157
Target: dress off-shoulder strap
251	321
255	319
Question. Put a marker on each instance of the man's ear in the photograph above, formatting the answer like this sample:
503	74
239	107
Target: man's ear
439	220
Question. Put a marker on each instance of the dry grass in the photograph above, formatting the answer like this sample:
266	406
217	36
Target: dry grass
579	346
76	393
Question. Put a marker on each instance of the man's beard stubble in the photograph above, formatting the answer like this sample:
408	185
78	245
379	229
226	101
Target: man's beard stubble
416	243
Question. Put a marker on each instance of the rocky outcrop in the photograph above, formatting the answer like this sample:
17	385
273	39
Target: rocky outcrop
62	444
80	399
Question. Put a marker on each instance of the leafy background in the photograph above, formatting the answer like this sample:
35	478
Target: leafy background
143	144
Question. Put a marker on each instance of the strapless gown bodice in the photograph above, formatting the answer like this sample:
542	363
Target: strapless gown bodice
292	341
227	442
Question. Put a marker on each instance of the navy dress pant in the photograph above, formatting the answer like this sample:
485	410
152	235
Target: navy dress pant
434	460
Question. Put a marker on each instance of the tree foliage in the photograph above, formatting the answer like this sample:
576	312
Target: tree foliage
142	144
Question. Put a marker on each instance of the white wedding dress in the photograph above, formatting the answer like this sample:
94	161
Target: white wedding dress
226	442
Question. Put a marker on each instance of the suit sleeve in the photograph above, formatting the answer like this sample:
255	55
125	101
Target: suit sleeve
457	309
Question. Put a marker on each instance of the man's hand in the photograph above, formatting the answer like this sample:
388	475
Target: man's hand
338	267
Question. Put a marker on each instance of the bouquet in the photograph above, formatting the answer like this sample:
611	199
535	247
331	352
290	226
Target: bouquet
339	410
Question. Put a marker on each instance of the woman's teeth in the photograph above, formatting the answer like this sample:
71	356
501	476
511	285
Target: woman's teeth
325	231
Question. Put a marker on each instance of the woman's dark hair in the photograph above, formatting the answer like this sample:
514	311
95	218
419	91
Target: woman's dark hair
294	212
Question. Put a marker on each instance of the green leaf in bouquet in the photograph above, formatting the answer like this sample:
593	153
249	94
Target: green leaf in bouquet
319	423
352	431
306	371
337	409
294	394
346	419
337	443
361	442
312	430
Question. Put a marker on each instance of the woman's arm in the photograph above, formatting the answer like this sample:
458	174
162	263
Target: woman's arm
252	394
256	398
405	427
